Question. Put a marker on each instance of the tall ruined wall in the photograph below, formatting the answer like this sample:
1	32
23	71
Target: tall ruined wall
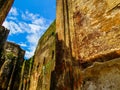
87	31
5	6
3	33
3	36
18	54
44	60
11	63
26	74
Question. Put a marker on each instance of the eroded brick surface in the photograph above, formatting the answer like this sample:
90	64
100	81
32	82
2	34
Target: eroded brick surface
5	6
88	31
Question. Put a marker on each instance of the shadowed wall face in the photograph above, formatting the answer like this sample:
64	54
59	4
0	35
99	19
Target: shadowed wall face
5	6
3	36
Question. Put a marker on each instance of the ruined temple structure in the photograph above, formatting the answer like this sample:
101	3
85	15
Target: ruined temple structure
79	51
88	45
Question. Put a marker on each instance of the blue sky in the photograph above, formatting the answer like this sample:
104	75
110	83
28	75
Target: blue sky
28	20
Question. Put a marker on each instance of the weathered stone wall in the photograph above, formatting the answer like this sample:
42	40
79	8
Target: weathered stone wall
82	54
102	76
27	69
87	31
3	36
44	60
5	6
18	54
96	28
10	71
89	26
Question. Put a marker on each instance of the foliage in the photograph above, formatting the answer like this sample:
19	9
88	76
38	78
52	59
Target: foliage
10	55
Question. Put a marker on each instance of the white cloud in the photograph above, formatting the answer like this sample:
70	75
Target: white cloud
29	54
12	18
32	24
13	11
24	26
13	27
39	21
22	44
29	16
34	28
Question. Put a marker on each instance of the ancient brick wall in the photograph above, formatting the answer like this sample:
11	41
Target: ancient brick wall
18	54
5	6
11	63
27	71
44	61
87	27
3	36
87	32
82	54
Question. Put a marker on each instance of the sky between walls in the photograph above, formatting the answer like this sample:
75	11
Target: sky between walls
28	20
